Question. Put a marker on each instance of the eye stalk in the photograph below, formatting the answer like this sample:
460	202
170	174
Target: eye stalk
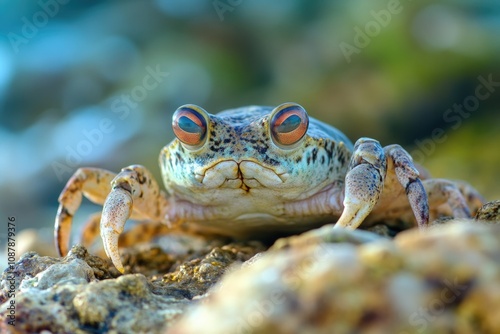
289	123
189	123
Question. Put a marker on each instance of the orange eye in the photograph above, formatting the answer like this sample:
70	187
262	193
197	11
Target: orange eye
289	124
190	125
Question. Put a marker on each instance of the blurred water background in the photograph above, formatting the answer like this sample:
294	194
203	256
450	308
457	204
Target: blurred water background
95	83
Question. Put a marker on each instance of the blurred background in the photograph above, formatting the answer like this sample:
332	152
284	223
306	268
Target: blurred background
95	83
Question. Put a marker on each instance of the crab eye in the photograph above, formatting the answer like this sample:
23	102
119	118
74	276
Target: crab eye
289	123
190	125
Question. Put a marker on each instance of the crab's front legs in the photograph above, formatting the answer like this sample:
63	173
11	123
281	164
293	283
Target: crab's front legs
93	183
365	178
133	190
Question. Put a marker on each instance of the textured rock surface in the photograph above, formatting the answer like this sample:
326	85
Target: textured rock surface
489	212
82	293
443	280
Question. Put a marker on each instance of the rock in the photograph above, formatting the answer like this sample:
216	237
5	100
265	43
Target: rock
327	234
489	212
195	277
82	293
441	281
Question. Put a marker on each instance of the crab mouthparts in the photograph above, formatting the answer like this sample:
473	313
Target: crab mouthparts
244	174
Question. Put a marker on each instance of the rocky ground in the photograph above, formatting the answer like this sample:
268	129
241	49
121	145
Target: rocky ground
446	280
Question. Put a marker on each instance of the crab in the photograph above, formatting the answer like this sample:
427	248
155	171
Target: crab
254	171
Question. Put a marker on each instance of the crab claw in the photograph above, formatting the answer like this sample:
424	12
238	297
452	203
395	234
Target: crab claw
116	211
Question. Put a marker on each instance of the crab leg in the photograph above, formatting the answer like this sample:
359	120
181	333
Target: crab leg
365	179
91	230
473	198
455	195
141	232
116	211
407	174
133	189
93	183
364	182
